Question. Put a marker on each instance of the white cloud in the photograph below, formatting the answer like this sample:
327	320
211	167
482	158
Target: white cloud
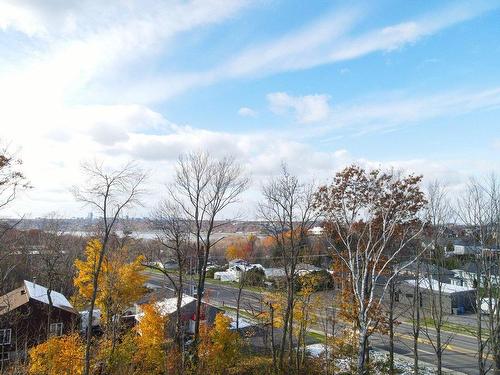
307	109
247	112
386	111
80	45
383	111
328	40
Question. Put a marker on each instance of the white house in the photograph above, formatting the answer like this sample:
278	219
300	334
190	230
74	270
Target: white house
233	273
316	231
467	276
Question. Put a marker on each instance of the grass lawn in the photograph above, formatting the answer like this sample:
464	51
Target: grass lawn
463	329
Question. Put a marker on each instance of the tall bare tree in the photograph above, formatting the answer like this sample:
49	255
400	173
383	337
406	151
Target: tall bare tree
110	193
288	213
478	210
203	188
369	213
12	180
439	215
173	233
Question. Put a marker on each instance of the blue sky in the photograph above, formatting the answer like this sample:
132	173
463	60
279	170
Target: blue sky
317	84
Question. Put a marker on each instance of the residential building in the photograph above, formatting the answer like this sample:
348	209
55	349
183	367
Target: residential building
455	299
166	302
24	319
424	270
467	275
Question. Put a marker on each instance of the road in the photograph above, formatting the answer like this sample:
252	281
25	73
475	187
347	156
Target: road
459	356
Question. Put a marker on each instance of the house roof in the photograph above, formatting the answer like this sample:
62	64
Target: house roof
425	268
434	285
156	295
30	290
471	267
169	305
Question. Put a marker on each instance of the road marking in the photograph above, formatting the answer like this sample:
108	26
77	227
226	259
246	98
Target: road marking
448	347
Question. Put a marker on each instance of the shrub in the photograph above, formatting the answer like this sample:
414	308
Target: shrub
255	277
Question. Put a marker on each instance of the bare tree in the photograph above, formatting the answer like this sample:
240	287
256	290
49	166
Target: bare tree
439	214
12	180
369	213
288	213
173	232
110	193
416	304
478	209
54	255
203	188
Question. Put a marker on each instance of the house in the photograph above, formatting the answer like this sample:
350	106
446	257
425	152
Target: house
304	268
233	273
455	299
238	262
467	275
466	249
274	273
166	302
24	318
424	270
316	231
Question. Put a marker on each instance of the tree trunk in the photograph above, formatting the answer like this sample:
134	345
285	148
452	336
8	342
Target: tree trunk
391	328
285	332
362	366
202	261
439	352
479	317
238	299
416	319
49	310
273	348
88	341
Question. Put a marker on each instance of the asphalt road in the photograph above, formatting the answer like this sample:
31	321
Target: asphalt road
459	356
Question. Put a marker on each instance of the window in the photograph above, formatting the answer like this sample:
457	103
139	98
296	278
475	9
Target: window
4	356
5	335
56	329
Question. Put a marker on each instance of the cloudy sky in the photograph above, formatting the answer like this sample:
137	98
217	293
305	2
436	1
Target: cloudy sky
317	84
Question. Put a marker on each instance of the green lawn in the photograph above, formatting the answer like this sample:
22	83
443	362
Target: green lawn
463	329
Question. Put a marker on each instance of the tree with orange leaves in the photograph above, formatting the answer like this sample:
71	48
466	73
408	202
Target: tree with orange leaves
58	355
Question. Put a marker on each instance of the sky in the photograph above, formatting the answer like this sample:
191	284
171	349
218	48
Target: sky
317	85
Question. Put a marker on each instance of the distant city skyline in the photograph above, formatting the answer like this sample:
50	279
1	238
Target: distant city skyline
318	85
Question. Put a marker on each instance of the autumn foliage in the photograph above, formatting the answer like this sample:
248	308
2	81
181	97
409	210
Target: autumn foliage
241	249
151	340
120	282
57	356
220	347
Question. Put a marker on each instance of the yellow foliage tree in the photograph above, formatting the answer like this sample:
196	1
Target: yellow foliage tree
220	347
58	355
151	340
120	283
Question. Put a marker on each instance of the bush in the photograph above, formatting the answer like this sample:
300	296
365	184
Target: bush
254	277
319	280
254	365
